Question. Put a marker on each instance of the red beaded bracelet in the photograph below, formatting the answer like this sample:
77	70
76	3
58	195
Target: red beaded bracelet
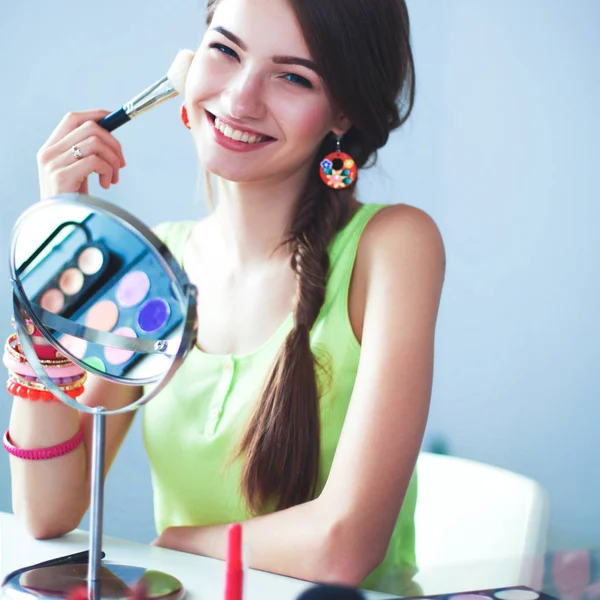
27	393
42	453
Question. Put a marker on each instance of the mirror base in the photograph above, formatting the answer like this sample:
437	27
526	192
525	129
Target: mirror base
115	582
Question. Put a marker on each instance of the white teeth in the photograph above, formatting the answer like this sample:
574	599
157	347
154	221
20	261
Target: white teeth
236	134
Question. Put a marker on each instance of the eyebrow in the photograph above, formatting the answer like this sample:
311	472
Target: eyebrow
231	36
293	60
279	60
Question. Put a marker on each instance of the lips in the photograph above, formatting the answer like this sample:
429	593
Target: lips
237	133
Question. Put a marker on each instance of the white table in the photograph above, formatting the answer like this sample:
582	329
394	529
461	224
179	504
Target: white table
203	578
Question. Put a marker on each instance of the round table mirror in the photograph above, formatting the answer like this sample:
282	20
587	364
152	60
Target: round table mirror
94	285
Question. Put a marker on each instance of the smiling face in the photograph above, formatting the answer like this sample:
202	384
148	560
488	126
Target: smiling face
257	106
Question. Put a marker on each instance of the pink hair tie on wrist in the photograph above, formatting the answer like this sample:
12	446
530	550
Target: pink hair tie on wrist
43	453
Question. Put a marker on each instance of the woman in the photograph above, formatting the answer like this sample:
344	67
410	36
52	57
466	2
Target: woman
301	411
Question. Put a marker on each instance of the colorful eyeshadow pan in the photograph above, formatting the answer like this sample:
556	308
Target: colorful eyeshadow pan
103	316
90	260
71	281
96	363
516	595
153	315
52	300
133	289
76	346
117	356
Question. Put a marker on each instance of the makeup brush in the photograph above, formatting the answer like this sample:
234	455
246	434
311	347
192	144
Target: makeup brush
169	86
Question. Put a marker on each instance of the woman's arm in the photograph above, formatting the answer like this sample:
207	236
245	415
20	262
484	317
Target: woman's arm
52	496
343	534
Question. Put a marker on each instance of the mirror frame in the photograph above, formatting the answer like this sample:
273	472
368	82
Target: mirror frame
23	309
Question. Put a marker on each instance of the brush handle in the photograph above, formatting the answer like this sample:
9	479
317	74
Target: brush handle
114	120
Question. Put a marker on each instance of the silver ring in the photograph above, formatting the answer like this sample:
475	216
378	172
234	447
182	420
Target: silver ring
77	153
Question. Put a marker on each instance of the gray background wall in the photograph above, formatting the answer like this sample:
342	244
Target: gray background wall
502	150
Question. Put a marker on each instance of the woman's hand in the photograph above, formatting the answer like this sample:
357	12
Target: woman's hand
61	171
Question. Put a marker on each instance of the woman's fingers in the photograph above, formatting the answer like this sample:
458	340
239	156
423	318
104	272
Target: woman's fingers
70	178
88	147
72	121
75	149
88	129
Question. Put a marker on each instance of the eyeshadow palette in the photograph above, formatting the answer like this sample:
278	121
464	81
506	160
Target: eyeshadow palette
103	276
509	593
138	303
68	253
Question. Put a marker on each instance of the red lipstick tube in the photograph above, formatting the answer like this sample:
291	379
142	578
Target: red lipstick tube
234	574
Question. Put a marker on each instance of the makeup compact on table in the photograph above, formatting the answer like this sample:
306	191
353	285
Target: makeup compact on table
94	285
510	593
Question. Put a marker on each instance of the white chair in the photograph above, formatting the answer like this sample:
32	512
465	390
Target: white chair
471	513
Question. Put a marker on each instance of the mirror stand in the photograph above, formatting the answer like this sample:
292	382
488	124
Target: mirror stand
102	580
122	248
97	495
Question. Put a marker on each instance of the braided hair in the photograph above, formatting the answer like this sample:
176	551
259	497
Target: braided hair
362	49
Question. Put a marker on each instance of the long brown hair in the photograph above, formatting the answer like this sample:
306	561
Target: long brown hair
362	48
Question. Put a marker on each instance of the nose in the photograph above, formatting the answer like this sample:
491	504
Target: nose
243	98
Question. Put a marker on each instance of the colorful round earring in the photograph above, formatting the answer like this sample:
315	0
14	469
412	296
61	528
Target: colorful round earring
338	169
184	116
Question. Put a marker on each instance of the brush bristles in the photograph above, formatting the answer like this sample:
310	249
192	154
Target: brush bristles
178	71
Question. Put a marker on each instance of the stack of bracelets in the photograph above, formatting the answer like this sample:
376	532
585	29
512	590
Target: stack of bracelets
22	380
23	383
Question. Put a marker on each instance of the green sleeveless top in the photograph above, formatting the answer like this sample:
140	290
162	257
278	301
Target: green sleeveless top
193	426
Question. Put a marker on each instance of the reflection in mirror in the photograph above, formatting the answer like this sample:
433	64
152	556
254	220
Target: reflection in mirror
104	294
63	581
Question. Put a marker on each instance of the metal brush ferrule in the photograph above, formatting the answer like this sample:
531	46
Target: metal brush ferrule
154	95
